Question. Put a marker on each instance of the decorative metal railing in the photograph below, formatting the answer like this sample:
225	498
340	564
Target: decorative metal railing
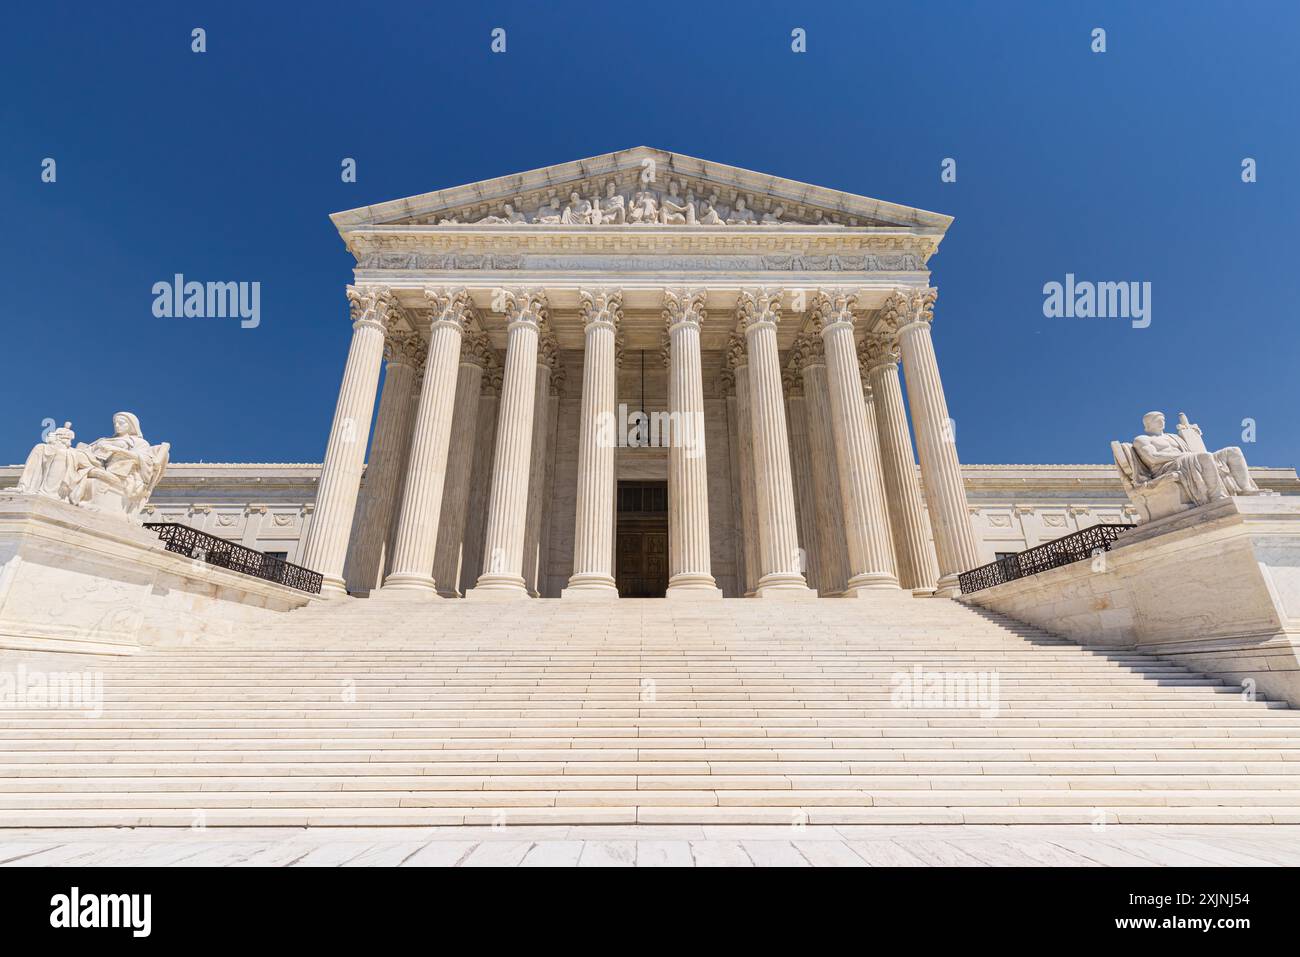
192	543
1062	551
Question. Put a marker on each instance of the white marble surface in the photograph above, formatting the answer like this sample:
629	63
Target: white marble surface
660	846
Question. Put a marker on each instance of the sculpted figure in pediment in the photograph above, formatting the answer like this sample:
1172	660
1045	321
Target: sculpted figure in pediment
578	212
645	208
741	215
709	215
774	217
613	208
549	212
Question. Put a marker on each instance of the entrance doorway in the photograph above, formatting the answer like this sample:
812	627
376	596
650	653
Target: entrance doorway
641	562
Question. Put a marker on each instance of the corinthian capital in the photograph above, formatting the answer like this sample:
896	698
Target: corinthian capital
878	349
683	306
807	351
907	307
758	307
734	353
832	306
476	348
601	307
521	305
403	348
372	305
449	305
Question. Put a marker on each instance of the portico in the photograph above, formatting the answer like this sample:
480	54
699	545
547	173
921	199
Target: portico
499	327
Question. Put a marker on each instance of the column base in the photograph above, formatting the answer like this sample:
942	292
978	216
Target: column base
333	588
499	588
784	585
927	592
877	593
407	588
947	587
590	588
868	583
692	588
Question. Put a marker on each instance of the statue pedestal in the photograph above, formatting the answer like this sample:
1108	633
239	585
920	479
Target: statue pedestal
76	580
1214	588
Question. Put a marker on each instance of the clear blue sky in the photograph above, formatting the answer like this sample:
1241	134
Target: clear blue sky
1117	166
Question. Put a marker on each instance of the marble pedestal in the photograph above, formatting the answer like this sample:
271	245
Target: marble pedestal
1215	588
76	580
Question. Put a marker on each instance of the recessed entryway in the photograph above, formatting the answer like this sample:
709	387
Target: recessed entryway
641	557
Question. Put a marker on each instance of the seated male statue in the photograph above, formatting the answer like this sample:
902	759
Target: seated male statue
1204	476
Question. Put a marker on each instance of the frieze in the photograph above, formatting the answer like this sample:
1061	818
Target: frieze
903	262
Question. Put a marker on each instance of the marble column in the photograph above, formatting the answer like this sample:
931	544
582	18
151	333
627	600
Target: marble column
778	539
690	572
909	313
547	356
866	524
426	473
727	382
381	491
738	360
503	546
833	553
913	550
449	555
326	550
481	477
593	527
805	498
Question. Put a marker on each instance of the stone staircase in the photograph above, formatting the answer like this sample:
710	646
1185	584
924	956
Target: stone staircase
374	713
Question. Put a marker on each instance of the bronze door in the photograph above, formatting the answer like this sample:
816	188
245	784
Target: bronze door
641	564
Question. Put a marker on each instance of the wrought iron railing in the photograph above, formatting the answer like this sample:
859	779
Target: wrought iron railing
1062	551
192	543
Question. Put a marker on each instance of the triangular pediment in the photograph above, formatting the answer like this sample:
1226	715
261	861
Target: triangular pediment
640	187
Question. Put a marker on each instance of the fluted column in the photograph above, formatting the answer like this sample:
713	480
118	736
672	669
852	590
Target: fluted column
381	492
593	526
489	401
448	556
426	474
866	524
805	498
326	548
547	357
909	313
690	572
503	547
833	553
913	551
778	539
738	357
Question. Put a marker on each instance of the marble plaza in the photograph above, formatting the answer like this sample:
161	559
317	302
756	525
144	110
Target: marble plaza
640	494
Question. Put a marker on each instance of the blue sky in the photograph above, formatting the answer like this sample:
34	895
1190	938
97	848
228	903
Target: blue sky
1118	166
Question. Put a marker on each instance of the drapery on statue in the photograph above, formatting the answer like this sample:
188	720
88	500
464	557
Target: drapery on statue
116	474
1165	473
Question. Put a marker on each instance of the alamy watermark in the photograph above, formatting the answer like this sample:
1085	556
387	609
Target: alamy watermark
946	689
211	300
25	689
651	430
1084	299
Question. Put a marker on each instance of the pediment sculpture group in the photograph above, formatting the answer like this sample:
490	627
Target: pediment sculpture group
676	205
114	475
1165	473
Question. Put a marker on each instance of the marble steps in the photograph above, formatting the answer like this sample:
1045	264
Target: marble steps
533	713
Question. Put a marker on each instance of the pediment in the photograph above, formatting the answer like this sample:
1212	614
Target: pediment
639	188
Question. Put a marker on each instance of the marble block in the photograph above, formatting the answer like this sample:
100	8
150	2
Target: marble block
1215	588
72	579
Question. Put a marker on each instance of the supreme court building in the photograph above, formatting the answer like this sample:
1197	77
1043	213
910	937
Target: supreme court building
501	331
641	374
